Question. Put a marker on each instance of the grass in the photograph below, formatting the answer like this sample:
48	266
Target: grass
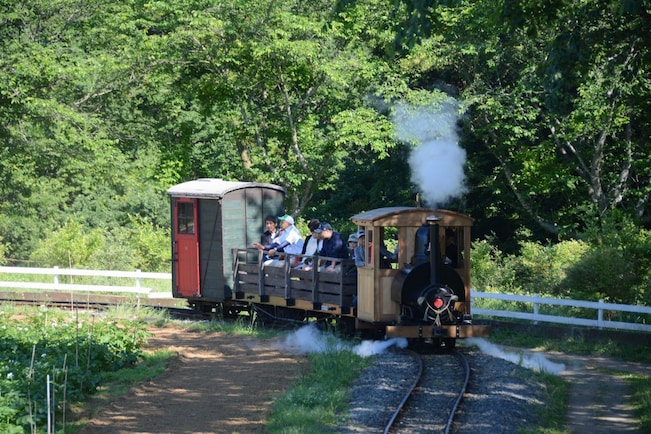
610	348
641	386
318	401
241	326
319	398
552	411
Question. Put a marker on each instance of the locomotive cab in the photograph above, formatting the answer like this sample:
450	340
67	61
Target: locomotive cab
426	291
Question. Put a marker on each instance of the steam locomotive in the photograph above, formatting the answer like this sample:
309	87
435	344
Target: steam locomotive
423	295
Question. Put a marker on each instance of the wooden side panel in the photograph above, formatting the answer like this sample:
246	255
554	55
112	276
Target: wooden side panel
389	310
309	286
211	255
366	309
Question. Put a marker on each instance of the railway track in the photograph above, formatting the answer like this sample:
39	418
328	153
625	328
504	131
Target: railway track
98	302
65	299
432	400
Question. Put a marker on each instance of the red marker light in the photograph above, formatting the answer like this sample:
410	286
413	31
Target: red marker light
438	303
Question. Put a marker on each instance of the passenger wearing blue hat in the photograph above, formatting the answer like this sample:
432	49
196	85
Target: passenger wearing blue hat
334	246
358	254
352	244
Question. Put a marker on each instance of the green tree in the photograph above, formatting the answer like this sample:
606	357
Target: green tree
558	98
74	138
286	89
3	252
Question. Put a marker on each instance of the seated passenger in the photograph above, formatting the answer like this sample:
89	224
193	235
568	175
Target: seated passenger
311	245
358	254
333	247
352	244
269	237
272	233
290	242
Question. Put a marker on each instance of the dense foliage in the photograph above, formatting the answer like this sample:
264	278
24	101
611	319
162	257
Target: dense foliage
614	268
69	350
105	105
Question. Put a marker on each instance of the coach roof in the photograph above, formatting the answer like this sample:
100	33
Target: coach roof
409	216
215	188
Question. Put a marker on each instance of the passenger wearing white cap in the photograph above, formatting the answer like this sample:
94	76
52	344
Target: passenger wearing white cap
290	241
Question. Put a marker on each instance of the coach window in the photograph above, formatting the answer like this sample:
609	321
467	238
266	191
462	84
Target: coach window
185	218
389	247
454	244
368	248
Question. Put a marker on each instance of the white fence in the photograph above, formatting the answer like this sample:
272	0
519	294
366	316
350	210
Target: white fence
599	306
56	286
536	301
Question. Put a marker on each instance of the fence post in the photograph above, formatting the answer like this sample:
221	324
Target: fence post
138	286
600	315
56	277
536	308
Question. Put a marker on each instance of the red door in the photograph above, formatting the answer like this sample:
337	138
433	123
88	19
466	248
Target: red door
186	247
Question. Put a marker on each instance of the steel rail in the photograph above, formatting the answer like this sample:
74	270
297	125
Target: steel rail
408	395
462	392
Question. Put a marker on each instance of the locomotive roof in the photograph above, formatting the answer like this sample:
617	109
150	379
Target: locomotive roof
214	188
409	216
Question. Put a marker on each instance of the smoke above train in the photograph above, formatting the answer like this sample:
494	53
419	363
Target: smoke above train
436	160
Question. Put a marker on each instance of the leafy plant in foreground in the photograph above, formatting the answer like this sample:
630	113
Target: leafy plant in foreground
51	358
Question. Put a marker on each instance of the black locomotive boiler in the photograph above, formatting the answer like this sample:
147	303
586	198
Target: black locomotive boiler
422	293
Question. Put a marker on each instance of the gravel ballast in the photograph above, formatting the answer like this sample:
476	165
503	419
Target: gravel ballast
501	395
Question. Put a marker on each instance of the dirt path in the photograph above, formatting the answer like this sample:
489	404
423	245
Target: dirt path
219	384
600	399
225	384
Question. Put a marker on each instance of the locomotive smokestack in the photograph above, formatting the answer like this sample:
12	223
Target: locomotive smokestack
434	251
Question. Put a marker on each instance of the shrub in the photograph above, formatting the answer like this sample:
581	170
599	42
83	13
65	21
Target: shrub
149	243
617	267
489	270
612	262
140	244
542	269
71	246
603	273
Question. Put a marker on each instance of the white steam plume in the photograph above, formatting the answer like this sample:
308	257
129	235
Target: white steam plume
309	339
436	161
535	361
